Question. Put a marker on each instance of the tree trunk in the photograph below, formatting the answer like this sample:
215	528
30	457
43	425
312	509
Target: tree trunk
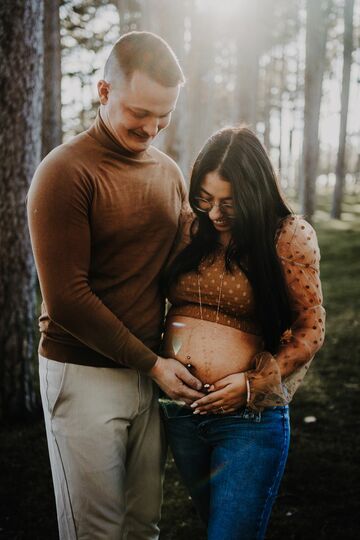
199	121
340	164
130	12
267	104
51	119
316	30
21	78
170	25
248	44
281	114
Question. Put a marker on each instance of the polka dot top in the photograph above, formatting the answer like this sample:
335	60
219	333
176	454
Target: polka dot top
273	379
231	291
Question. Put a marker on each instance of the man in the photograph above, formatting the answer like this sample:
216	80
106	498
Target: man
104	210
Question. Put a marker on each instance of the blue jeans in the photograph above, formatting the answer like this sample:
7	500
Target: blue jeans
232	465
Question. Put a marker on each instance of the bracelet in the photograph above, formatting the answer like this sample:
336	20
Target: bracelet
247	391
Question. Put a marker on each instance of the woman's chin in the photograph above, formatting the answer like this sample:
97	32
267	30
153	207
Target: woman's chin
221	227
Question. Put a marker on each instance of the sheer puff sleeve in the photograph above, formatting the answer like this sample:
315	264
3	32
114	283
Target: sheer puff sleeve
274	379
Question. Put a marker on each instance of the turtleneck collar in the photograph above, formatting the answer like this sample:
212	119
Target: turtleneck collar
100	132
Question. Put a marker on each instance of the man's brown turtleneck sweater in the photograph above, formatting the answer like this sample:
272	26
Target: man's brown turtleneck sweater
102	222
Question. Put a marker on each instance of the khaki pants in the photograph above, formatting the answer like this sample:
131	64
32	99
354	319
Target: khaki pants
106	450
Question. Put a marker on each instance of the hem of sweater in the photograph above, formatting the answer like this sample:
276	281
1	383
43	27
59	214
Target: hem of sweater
83	356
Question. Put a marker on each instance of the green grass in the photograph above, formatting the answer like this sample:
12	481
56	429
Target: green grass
318	498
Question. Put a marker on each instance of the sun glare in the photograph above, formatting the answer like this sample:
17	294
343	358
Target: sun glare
223	9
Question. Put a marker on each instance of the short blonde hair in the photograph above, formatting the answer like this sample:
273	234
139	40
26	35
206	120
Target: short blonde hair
145	52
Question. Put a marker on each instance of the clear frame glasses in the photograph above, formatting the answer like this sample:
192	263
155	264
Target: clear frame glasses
204	205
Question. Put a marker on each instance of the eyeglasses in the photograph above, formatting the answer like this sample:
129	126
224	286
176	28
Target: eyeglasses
204	205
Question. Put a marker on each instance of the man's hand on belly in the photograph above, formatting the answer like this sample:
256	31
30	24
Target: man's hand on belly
176	381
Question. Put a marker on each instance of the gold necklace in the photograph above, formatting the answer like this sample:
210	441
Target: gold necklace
219	297
188	357
178	343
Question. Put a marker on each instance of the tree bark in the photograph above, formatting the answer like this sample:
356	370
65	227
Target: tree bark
316	30
51	118
21	79
199	120
340	164
248	51
169	23
130	12
267	104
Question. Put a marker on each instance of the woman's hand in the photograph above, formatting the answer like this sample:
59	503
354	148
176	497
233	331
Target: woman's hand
225	395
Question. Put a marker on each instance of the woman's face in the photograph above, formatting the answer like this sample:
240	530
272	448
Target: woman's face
218	194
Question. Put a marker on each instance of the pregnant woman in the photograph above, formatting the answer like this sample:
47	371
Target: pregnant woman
246	318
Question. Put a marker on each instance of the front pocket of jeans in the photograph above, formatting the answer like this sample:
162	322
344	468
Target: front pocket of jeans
55	382
173	410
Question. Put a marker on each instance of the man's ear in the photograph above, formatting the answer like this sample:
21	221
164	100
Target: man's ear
103	91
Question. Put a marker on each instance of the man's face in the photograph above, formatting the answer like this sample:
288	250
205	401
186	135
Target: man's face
135	110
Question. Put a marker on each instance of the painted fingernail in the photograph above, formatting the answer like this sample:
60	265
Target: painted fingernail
204	412
193	405
196	412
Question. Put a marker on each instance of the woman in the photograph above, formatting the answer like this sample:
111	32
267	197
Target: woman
246	319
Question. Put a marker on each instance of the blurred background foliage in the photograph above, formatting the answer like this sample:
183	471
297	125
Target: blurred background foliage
254	62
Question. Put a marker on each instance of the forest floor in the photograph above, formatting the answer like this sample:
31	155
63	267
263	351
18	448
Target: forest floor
319	495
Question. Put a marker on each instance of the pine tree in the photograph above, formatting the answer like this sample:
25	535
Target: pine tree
21	78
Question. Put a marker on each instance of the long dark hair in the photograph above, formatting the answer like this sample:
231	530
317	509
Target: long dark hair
238	156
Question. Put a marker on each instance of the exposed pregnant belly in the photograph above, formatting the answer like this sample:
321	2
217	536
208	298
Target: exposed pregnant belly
213	350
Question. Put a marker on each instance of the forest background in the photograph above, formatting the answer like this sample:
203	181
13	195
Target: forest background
288	68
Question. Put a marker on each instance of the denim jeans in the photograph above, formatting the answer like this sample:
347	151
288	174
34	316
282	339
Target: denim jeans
232	465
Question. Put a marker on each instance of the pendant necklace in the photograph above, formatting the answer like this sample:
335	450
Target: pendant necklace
219	297
207	362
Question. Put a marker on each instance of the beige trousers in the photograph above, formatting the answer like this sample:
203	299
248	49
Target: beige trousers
107	451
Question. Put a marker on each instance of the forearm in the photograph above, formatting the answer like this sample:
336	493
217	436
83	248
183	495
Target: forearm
275	379
300	344
59	223
87	319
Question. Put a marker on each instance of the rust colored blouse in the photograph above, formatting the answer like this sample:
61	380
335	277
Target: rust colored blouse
228	299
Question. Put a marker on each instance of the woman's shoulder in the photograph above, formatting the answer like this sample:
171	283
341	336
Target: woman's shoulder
292	225
296	241
188	226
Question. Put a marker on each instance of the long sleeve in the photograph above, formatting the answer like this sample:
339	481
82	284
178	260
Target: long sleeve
59	205
275	379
